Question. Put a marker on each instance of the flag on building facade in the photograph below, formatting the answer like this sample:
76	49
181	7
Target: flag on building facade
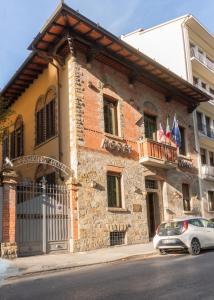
161	135
168	132
176	135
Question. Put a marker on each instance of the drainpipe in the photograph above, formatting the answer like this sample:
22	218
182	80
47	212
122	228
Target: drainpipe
59	118
189	78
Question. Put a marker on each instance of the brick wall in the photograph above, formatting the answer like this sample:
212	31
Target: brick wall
95	219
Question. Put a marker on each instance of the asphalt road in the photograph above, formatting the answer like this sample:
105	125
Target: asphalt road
169	277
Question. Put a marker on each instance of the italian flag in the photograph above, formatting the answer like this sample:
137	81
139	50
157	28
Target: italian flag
168	131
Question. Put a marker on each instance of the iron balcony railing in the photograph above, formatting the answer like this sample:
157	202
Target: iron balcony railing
207	171
202	58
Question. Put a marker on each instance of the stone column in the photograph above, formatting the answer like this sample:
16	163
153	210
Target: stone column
8	245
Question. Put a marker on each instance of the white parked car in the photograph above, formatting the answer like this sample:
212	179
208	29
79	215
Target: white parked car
192	234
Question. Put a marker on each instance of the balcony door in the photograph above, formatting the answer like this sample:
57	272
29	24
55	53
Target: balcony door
150	125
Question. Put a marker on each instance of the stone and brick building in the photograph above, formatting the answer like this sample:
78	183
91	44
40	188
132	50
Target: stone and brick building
92	102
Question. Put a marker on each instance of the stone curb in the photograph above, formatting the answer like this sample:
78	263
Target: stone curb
65	268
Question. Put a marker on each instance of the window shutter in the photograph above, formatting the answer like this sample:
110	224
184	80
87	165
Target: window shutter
12	145
21	141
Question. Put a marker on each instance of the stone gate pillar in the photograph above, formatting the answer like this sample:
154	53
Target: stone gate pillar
8	245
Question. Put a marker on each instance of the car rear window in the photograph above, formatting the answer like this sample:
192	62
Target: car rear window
196	222
171	228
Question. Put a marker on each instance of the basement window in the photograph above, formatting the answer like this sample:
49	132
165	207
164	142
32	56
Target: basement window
117	238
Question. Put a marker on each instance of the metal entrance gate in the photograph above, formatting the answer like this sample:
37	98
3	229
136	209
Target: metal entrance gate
43	218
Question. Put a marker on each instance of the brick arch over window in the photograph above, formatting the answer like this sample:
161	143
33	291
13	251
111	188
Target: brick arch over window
150	108
45	112
17	138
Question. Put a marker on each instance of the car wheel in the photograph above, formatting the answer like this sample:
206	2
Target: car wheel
195	247
162	252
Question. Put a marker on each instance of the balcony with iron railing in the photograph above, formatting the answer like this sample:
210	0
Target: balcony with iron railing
157	154
202	58
207	172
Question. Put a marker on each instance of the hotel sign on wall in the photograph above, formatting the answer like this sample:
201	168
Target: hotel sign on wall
185	163
113	145
37	159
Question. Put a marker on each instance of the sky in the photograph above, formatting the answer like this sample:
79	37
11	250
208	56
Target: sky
21	20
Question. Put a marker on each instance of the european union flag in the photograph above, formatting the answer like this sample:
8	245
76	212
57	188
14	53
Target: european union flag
176	135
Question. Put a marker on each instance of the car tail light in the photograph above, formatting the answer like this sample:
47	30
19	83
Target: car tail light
185	226
158	229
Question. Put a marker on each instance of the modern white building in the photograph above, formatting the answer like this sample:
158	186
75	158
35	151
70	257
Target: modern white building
187	48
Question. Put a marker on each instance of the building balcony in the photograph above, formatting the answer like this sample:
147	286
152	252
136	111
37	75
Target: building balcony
202	128
202	59
207	172
157	154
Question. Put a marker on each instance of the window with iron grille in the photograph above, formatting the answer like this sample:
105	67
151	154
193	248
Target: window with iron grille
211	200
150	184
186	197
117	238
114	190
110	116
150	126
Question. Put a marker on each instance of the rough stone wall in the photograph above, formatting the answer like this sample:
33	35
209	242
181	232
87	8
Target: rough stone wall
95	219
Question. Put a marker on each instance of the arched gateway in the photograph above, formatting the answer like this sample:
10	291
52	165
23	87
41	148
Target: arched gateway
42	210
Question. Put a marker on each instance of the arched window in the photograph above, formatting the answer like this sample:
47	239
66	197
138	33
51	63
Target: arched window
17	139
5	144
40	121
50	107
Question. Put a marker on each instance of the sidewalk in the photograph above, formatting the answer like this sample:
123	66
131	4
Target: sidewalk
50	262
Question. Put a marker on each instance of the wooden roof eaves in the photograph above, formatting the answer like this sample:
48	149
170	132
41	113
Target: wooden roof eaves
63	8
15	76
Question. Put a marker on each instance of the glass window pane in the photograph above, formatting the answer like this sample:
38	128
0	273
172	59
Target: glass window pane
114	190
150	126
110	116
